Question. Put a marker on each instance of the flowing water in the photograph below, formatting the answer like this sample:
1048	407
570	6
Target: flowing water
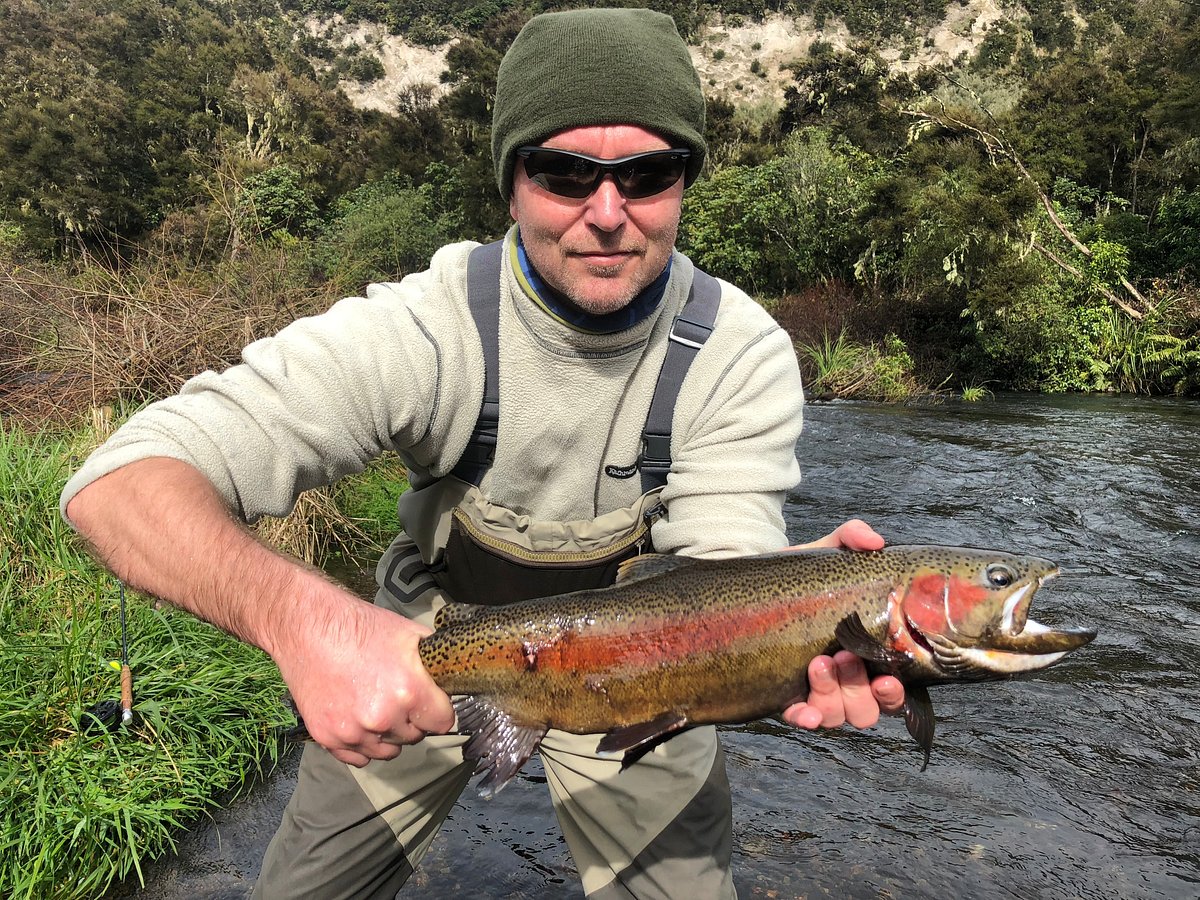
1082	781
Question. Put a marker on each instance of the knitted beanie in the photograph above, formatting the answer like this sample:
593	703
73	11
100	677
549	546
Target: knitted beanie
596	67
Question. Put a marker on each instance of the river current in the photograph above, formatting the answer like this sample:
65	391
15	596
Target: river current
1082	781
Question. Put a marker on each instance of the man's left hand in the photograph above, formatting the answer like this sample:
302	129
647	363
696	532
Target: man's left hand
838	688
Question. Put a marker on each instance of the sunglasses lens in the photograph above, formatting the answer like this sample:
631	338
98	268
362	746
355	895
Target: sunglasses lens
564	174
650	175
570	175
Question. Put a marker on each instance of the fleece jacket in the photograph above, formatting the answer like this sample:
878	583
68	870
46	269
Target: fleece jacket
402	369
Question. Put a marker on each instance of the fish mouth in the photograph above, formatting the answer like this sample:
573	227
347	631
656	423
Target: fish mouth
1019	644
1020	634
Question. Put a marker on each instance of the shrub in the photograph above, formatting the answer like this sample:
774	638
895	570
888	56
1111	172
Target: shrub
276	201
386	229
365	68
787	222
137	332
840	367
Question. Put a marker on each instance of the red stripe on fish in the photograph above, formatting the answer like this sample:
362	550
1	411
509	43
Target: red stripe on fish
653	640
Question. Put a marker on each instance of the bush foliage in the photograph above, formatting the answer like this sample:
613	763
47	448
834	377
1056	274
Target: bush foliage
1005	217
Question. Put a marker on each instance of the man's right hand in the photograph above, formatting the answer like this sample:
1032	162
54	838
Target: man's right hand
358	682
353	668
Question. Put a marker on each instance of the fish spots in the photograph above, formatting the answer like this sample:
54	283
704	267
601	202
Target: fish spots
466	658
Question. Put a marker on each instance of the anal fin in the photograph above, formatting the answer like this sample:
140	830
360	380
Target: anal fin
498	744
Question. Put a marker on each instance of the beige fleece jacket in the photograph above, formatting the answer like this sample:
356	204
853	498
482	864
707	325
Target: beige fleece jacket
402	369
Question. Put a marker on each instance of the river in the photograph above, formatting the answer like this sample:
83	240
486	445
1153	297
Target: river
1082	781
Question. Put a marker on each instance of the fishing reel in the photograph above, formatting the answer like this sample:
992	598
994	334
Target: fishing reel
109	715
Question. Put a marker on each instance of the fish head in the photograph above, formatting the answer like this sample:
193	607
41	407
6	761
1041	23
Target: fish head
964	615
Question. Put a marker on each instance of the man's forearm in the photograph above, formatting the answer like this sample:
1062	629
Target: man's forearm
353	668
161	527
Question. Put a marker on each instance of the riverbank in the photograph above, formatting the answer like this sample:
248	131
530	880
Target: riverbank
83	806
1079	781
220	854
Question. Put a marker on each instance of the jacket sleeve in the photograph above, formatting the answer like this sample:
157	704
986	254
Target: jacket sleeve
316	401
734	441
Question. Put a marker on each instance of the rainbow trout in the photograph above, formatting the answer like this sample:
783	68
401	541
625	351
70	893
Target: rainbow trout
678	642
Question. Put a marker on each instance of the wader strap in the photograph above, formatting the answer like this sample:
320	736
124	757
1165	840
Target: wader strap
483	298
689	331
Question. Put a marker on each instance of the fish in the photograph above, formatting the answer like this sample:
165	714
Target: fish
678	642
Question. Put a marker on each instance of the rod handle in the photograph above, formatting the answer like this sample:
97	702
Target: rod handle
126	693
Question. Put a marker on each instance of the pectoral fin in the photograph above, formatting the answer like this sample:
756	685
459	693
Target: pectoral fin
919	718
852	634
499	744
634	740
918	710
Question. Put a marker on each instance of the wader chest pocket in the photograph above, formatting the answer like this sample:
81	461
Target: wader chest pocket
478	567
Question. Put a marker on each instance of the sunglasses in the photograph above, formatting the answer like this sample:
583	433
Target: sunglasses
576	175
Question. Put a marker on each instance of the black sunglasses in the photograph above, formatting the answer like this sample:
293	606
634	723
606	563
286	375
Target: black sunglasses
576	175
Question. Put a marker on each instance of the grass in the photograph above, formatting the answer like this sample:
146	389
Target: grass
840	367
80	810
973	393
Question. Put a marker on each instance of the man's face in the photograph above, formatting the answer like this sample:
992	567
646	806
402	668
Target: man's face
602	250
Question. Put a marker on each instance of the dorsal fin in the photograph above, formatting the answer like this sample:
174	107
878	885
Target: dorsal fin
456	614
648	565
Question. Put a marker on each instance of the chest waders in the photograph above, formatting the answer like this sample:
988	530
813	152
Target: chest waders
659	829
485	553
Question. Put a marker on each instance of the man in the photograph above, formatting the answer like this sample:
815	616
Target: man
589	292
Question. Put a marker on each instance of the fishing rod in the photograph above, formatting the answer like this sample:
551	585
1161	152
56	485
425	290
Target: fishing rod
108	714
126	672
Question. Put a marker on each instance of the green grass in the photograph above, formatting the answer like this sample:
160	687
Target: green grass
973	393
843	368
79	810
369	500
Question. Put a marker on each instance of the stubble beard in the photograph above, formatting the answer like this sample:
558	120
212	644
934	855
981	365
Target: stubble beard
595	289
588	301
581	289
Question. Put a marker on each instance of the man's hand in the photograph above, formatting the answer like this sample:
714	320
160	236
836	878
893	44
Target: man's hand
353	668
357	679
838	688
853	535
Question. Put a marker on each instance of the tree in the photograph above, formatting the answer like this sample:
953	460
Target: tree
790	221
1121	292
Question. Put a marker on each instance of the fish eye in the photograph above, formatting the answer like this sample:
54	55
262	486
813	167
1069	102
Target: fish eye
1000	575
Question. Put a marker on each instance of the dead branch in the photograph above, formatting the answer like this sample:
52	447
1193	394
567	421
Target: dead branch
998	148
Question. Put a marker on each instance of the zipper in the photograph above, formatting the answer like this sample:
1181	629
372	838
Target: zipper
550	558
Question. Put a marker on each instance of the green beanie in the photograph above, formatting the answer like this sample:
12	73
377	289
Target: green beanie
596	67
